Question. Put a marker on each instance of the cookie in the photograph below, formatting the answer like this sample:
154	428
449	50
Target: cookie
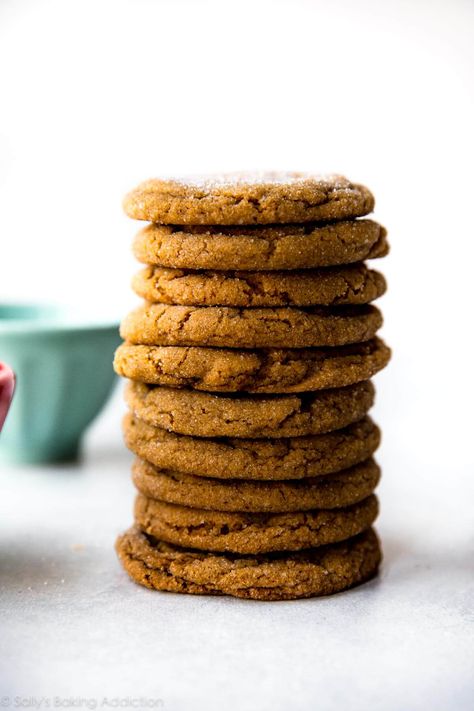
285	576
252	533
332	286
223	326
261	460
261	248
248	199
255	371
325	492
199	414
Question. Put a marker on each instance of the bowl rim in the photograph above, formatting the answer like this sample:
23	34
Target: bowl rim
50	317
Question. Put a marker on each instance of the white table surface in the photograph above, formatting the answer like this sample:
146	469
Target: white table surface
76	630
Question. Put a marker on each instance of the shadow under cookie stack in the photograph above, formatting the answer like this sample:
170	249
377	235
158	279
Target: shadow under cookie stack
249	367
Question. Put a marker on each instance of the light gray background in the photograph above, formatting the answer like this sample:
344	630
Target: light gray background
74	626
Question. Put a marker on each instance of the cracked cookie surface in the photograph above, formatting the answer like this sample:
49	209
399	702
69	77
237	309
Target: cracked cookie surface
200	414
252	533
319	571
327	492
332	286
256	371
224	326
260	460
248	198
261	248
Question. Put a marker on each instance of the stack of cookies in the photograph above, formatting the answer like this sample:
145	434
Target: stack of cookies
249	365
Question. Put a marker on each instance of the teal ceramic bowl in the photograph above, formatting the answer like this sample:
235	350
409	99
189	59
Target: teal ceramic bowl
64	376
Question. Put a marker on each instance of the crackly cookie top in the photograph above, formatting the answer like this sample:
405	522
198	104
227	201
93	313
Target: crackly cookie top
270	370
252	533
258	459
200	414
248	198
229	327
260	247
330	286
332	491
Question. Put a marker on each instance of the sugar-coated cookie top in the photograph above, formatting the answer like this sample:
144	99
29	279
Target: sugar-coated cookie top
244	180
248	198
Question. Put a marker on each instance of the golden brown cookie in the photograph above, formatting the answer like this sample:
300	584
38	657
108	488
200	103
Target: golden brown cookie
248	199
256	371
324	492
261	460
288	576
253	533
261	248
332	286
199	414
224	326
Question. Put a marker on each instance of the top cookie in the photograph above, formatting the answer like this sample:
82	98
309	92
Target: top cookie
248	199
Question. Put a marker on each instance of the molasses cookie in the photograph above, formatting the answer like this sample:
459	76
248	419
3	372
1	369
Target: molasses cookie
278	576
252	533
261	460
248	199
268	370
332	286
224	326
324	492
261	248
200	414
